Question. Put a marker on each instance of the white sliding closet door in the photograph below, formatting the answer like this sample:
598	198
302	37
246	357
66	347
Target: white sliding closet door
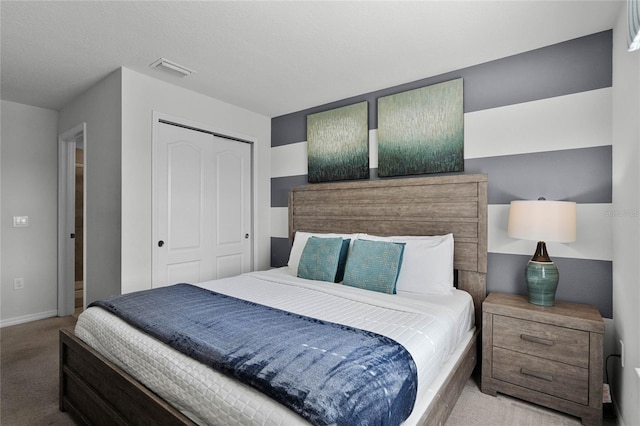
203	206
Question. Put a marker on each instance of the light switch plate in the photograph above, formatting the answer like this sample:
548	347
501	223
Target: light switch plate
20	221
18	283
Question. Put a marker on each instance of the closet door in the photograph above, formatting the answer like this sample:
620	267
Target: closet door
203	206
233	207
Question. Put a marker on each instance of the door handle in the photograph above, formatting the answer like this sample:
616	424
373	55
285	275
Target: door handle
246	236
160	243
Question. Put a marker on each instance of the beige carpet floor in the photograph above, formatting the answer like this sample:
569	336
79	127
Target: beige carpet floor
29	386
475	408
29	373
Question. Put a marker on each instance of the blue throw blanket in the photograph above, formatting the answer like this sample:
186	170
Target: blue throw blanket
326	372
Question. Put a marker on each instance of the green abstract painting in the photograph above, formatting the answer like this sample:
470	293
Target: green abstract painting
422	130
338	144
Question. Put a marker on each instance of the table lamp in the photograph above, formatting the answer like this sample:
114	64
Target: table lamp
542	220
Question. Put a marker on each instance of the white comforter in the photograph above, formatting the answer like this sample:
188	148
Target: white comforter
429	327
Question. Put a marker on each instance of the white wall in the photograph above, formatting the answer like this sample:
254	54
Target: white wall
141	96
29	188
626	223
100	108
118	113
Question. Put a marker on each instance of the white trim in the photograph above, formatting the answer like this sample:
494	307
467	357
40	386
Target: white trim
66	217
27	318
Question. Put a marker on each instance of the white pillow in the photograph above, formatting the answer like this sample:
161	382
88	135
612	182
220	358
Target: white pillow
427	263
300	241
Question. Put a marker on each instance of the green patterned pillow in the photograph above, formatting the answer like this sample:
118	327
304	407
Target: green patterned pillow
374	265
324	259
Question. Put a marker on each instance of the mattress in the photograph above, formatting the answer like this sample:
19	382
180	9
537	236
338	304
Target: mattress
431	328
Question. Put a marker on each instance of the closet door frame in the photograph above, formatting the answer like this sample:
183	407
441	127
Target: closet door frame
159	117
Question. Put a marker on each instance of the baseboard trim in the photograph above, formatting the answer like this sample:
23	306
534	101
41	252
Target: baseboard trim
27	318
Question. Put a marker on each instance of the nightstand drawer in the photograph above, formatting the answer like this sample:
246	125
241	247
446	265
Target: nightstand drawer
553	378
543	340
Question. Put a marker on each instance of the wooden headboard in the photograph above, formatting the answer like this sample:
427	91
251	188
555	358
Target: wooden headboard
416	206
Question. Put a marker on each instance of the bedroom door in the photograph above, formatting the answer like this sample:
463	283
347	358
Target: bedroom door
203	206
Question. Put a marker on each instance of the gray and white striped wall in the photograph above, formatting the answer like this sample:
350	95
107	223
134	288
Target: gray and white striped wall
538	124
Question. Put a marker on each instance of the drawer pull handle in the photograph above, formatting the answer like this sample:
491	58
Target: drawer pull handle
527	372
534	339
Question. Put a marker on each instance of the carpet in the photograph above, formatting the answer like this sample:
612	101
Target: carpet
29	373
475	408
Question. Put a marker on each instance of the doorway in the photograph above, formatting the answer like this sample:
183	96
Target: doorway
203	213
71	223
79	227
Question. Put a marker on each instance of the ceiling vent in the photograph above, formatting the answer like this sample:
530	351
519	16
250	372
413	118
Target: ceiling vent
167	66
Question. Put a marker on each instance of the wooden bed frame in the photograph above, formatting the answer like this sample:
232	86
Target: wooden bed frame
95	391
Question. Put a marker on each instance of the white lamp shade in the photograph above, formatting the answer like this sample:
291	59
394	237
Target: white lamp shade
543	220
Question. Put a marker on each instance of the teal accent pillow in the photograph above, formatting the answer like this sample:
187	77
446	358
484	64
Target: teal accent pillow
374	265
324	259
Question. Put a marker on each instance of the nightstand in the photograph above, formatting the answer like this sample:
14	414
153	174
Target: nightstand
550	356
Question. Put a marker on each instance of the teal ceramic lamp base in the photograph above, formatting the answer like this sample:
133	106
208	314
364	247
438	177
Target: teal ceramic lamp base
542	282
540	220
542	277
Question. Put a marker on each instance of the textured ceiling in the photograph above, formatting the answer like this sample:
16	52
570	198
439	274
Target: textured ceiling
272	57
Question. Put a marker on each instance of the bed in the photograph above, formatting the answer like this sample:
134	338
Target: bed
95	389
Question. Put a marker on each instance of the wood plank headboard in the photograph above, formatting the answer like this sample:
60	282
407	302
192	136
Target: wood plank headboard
415	206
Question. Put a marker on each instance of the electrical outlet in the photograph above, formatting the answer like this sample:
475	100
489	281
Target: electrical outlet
18	283
622	353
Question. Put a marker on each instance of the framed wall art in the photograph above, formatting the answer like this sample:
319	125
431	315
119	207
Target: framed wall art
422	130
338	144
